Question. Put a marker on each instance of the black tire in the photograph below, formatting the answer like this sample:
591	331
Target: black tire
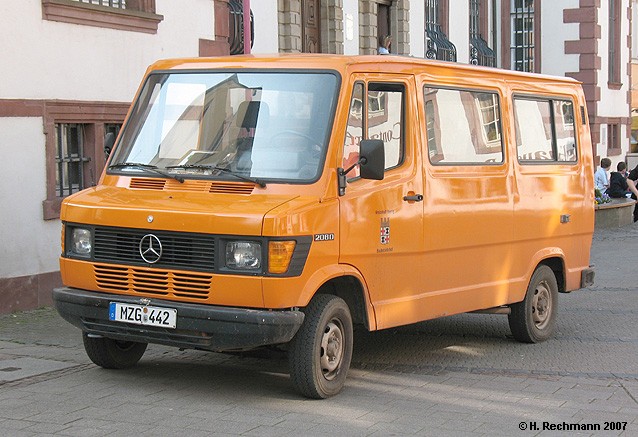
113	354
533	320
320	353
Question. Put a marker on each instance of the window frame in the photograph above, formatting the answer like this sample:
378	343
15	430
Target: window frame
551	99
138	16
476	123
614	146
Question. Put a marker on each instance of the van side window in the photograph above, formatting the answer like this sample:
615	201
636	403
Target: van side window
354	131
380	115
385	120
565	131
545	130
463	126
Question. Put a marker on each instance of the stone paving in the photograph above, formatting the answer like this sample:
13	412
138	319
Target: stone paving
456	376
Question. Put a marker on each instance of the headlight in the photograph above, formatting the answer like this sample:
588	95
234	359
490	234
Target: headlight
81	242
243	255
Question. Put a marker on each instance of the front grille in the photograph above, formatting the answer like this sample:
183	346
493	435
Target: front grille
180	250
153	281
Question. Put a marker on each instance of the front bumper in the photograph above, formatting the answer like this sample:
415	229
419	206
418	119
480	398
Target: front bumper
207	327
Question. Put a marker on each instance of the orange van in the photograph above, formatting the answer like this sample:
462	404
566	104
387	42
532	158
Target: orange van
253	201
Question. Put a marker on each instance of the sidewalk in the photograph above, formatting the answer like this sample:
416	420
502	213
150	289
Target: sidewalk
456	376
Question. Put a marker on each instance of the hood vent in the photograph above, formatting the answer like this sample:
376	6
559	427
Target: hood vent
192	186
147	184
234	188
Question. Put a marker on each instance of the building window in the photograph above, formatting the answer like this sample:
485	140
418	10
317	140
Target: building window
75	138
73	169
614	42
480	51
438	46
613	139
523	34
70	159
236	27
129	15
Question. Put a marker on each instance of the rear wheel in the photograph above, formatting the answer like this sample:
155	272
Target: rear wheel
113	354
534	319
320	352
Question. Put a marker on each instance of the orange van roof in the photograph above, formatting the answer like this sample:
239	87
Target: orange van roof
373	63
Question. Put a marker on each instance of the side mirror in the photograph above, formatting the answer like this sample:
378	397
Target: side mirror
372	159
109	141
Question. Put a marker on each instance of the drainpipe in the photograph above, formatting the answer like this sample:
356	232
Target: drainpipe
246	26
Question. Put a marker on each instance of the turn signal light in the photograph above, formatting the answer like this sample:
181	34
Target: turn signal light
279	256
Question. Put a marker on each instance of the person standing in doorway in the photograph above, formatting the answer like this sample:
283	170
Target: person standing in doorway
384	45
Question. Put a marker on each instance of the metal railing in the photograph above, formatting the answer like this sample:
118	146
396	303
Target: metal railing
438	46
236	31
118	4
480	51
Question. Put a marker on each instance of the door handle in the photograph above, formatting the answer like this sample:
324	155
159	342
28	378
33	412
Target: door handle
413	198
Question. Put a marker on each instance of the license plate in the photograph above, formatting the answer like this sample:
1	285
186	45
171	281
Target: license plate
143	315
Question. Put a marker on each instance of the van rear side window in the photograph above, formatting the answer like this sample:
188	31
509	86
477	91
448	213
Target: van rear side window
463	127
545	130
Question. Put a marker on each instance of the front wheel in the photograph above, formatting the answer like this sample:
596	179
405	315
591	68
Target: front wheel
533	320
113	354
320	352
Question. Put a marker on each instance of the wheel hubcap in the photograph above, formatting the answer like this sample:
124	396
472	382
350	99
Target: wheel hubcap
331	349
541	305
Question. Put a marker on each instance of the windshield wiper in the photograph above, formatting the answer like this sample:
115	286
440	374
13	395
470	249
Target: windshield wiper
149	167
222	169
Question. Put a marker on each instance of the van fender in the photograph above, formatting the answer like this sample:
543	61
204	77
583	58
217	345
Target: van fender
333	271
519	288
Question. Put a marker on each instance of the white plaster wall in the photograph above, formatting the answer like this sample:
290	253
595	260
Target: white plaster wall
266	26
417	30
351	27
51	60
554	33
499	32
613	103
460	29
55	60
29	245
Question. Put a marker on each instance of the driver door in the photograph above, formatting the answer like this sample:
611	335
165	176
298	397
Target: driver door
381	222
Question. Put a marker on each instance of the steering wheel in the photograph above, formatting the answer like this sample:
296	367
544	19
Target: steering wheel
314	146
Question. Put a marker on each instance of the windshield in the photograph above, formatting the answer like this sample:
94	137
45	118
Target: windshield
227	125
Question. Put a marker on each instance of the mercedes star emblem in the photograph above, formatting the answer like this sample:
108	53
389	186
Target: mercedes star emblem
150	248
